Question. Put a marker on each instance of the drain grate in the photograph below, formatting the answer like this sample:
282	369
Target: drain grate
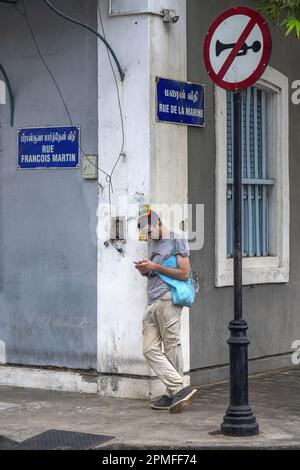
62	440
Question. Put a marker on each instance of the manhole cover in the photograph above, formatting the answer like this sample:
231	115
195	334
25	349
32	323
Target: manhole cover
62	440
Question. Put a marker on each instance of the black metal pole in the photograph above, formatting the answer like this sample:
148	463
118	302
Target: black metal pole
239	419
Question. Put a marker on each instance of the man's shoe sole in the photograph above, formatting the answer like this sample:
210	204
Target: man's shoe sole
184	403
160	408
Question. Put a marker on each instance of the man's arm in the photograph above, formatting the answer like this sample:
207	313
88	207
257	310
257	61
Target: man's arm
182	272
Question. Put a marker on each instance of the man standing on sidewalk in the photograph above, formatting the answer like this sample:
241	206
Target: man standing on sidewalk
161	322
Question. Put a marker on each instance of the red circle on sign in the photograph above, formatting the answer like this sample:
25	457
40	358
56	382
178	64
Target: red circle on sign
267	46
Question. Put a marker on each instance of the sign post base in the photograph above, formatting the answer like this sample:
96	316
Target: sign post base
239	419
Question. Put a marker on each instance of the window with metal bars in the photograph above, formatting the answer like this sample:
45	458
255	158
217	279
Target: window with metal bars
256	184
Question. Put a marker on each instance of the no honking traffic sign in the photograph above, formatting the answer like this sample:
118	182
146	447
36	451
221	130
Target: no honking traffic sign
237	48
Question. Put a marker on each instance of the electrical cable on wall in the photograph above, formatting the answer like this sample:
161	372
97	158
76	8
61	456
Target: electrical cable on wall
55	82
83	25
121	153
108	176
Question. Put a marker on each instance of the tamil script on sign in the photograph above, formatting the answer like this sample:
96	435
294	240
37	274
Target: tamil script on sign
48	147
180	102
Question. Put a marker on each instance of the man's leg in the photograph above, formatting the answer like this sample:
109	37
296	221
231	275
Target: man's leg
168	320
152	349
168	317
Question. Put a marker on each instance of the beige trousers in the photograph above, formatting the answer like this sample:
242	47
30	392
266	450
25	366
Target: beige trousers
162	342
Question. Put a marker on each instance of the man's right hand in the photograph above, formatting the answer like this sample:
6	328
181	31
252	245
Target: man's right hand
142	270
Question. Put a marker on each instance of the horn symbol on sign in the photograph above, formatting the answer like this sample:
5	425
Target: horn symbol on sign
220	47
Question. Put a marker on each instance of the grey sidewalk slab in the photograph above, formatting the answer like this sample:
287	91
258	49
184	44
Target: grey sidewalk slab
274	397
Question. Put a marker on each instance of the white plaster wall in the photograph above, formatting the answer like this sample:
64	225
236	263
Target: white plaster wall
169	159
121	290
154	152
168	141
43	379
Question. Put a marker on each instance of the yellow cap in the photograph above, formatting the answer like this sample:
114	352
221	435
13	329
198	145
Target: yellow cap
144	210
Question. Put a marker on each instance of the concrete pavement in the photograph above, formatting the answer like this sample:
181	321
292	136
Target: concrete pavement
274	397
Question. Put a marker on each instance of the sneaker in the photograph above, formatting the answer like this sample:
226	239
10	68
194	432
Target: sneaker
162	403
182	399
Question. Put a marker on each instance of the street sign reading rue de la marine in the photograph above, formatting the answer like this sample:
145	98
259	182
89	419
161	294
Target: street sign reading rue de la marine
179	102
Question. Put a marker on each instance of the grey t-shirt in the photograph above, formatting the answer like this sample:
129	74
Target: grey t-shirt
158	251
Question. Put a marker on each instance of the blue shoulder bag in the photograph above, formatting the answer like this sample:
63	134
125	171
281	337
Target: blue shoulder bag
183	292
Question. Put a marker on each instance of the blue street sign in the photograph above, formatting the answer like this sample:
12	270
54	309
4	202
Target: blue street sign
48	147
180	102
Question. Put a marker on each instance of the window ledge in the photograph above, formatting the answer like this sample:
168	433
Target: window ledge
258	270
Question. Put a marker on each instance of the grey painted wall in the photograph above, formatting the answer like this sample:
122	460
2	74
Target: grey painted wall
271	310
48	255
